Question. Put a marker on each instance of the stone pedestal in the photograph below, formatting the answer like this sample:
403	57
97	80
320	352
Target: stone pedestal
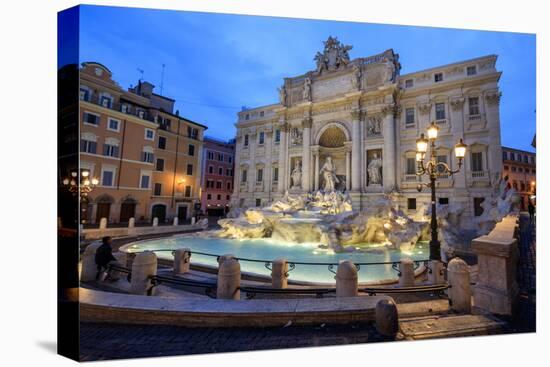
346	279
279	274
496	290
437	273
406	267
89	267
459	280
143	267
229	278
386	318
182	260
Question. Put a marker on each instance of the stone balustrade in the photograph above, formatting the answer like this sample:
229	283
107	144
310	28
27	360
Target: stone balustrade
496	290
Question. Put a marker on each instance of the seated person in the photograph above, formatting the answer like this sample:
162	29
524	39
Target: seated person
104	256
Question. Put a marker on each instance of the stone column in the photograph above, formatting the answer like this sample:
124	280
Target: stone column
406	267
306	138
356	150
252	166
88	271
348	169
236	170
229	278
458	128
316	169
182	260
496	290
143	267
346	279
279	273
282	157
268	168
460	293
388	158
492	113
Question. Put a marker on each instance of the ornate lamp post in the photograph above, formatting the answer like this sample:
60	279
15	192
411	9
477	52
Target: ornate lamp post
433	169
80	186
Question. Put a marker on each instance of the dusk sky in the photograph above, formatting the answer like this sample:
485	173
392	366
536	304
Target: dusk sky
217	63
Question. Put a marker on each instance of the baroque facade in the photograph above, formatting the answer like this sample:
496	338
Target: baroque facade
359	120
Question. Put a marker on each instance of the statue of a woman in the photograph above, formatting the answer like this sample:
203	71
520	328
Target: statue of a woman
296	176
374	169
329	175
307	90
282	95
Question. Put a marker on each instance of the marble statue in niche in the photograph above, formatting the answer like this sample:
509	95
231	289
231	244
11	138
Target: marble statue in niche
282	95
307	90
374	167
329	175
296	175
356	77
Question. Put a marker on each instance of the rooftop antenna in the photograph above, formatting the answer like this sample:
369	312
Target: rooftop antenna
162	79
141	71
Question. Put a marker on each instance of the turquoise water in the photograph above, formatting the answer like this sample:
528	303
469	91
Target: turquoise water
268	249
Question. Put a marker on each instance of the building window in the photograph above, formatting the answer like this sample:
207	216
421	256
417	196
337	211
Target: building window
515	185
259	175
532	160
477	161
261	138
228	172
158	189
411	166
220	171
409	116
409	83
192	132
275	174
512	156
106	101
471	70
91	119
147	157
187	191
525	159
208	196
227	197
84	94
149	134
191	150
258	202
160	164
411	203
506	168
277	136
211	169
522	185
209	184
438	77
107	179
162	142
228	185
478	209
220	157
440	111
113	125
473	103
261	113
211	155
218	185
247	116
244	175
513	169
505	156
443	201
189	170
88	146
246	140
230	159
219	196
110	150
144	182
520	169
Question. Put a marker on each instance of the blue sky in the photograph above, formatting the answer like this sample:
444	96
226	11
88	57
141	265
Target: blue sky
216	63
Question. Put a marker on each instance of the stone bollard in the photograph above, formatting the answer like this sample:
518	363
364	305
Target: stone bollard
386	318
229	278
103	224
89	267
131	222
406	267
460	293
346	279
176	221
192	220
437	274
143	267
182	260
155	222
279	273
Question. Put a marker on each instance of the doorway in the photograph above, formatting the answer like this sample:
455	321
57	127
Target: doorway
159	211
182	213
127	210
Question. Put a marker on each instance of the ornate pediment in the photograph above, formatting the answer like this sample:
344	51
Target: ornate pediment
334	56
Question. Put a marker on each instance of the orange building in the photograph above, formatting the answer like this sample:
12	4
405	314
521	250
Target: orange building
145	156
521	168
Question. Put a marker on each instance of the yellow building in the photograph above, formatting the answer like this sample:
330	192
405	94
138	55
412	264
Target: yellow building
138	149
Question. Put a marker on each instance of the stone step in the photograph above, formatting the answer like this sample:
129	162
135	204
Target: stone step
449	326
423	308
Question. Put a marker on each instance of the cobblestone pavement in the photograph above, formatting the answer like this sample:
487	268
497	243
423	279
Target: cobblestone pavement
111	341
526	320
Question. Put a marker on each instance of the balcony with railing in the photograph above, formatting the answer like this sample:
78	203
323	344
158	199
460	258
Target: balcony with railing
479	178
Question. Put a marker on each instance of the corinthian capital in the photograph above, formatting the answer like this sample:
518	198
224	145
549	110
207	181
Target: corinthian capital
457	103
493	98
307	122
356	115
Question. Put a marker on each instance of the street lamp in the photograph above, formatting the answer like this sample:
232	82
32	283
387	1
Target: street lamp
433	169
80	185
